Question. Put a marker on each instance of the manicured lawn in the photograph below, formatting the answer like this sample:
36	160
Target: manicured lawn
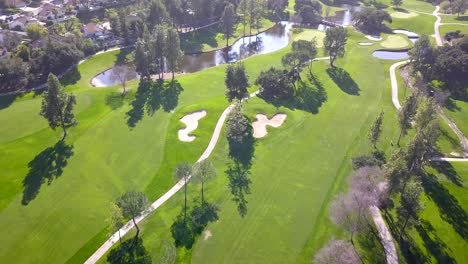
308	34
458	111
444	29
395	42
463	19
422	24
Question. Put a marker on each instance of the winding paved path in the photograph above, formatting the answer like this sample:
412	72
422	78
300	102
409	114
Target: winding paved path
161	200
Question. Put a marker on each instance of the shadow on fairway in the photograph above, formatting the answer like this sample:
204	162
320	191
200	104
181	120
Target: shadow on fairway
130	251
449	208
448	171
72	77
7	100
153	95
122	57
239	185
46	166
433	243
343	80
309	96
115	100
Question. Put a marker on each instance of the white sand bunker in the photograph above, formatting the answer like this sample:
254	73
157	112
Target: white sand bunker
374	38
366	43
262	121
207	234
191	121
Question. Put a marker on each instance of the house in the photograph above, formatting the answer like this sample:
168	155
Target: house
21	22
15	3
50	12
91	30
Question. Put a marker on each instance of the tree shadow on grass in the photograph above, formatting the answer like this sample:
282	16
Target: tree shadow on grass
130	251
193	42
46	166
462	18
448	171
451	105
115	100
7	100
122	57
239	185
449	208
344	80
309	96
244	151
433	243
153	95
372	250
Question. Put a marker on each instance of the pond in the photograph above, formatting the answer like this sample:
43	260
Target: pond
105	79
271	40
391	54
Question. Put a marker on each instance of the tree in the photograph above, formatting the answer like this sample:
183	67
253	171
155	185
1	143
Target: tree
14	74
371	20
11	40
159	43
236	81
376	130
237	124
57	105
310	12
116	219
337	252
174	54
142	59
397	3
302	52
459	6
123	74
335	42
228	21
157	13
245	11
275	85
23	52
132	204
203	171
35	31
422	56
410	206
183	171
257	10
396	172
407	112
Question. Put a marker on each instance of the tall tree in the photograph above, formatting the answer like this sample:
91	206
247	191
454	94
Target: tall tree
57	105
203	171
410	206
183	171
132	204
396	172
157	13
397	3
423	56
14	74
244	4
335	42
406	114
376	130
275	85
142	59
302	52
236	81
159	47
237	124
174	54
116	219
228	21
337	252
459	6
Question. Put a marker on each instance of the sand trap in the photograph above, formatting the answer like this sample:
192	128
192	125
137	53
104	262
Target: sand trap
262	121
191	121
374	38
207	234
366	43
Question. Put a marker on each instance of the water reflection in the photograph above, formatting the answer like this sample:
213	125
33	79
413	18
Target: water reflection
391	54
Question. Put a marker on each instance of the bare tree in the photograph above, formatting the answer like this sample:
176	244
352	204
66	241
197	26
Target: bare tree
336	252
123	74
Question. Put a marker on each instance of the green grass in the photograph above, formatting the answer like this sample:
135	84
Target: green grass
412	5
436	238
463	19
444	29
309	34
457	110
395	42
290	192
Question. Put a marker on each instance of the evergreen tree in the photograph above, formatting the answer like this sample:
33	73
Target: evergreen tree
57	106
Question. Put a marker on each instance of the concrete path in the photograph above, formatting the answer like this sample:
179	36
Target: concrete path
129	225
436	26
385	236
394	83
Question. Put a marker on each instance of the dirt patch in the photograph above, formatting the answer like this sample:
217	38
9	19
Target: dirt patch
262	121
207	234
191	121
